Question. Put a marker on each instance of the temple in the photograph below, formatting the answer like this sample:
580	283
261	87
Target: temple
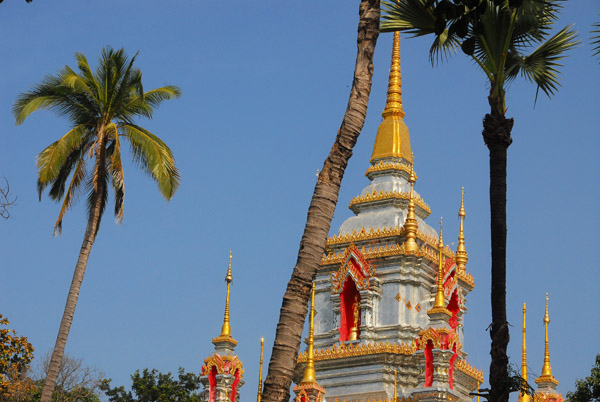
389	294
388	300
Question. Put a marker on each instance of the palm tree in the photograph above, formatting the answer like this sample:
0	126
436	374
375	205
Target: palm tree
101	107
320	212
495	34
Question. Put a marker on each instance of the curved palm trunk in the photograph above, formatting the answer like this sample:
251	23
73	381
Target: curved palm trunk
84	253
312	246
496	134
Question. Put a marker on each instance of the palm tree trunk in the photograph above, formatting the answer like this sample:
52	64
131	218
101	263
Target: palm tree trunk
91	230
312	246
496	134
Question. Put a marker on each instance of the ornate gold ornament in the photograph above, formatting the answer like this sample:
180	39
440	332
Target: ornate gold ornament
223	364
354	265
364	235
363	349
389	195
469	370
383	166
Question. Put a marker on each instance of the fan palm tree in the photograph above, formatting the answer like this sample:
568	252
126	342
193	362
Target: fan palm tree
496	35
320	212
101	107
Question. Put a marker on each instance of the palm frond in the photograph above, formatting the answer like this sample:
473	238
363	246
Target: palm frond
115	168
443	46
71	195
412	16
155	157
596	39
51	160
541	66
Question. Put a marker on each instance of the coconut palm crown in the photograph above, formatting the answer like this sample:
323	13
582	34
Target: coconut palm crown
101	107
496	35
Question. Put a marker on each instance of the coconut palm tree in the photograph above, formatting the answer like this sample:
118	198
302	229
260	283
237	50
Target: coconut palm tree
496	35
320	212
101	107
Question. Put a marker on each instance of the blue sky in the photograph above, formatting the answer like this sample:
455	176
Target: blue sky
265	85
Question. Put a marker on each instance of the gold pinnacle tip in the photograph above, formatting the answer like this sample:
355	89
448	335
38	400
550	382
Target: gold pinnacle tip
310	376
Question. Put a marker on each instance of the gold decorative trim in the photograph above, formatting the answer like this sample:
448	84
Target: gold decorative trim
383	166
547	397
368	253
469	370
223	364
351	350
388	195
403	399
361	276
364	234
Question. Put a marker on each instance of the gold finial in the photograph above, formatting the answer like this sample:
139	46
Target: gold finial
262	346
410	224
478	385
439	296
310	376
226	328
395	386
522	396
546	369
461	251
392	136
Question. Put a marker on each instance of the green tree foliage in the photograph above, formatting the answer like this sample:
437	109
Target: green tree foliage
596	38
102	106
153	386
588	389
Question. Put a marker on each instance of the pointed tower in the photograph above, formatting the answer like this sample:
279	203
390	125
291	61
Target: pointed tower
309	390
522	396
384	270
222	372
546	382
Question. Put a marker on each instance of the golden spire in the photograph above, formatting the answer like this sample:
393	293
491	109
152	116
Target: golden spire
262	346
226	328
478	385
395	386
522	396
410	224
546	369
392	136
439	295
546	376
461	251
309	372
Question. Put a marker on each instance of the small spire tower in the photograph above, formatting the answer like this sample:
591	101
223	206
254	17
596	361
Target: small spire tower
461	251
546	381
309	390
222	372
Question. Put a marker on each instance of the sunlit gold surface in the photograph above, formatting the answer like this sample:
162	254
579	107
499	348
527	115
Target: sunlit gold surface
260	370
389	195
309	372
360	349
471	371
410	224
439	305
384	166
522	396
392	136
546	368
461	251
223	365
225	335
